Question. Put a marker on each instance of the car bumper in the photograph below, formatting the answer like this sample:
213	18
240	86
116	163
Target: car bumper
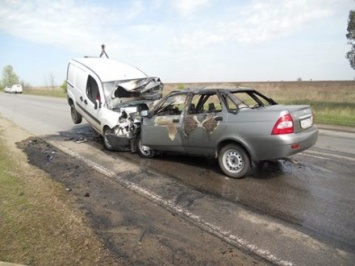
120	143
281	146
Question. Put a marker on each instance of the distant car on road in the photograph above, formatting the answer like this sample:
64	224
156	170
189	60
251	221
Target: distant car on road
16	88
236	126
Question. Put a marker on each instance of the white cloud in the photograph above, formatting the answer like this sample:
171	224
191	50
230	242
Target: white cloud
186	7
81	26
199	38
76	26
257	22
265	20
170	35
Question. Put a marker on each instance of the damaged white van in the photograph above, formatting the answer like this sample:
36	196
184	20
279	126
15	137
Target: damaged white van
110	95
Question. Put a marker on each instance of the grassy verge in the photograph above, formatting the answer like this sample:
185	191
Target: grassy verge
330	113
50	92
36	223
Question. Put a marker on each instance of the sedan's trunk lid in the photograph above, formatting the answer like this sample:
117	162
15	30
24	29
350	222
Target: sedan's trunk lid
302	115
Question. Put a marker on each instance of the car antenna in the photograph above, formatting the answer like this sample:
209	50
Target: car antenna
103	52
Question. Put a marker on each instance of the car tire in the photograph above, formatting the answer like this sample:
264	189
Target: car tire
234	161
143	151
107	143
75	116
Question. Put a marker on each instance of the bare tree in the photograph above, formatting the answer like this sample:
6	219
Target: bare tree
51	80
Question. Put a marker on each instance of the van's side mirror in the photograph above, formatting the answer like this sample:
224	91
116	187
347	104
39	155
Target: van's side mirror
144	113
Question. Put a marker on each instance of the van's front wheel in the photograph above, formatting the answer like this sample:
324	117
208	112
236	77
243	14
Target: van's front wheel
107	143
75	116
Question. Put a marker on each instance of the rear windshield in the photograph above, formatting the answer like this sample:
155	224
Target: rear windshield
251	99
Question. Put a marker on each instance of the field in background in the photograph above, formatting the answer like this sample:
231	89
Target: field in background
46	91
333	102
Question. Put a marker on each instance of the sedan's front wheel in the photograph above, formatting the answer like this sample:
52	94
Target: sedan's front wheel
233	161
144	151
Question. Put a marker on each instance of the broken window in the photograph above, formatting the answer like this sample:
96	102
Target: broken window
92	90
173	105
205	103
250	99
229	103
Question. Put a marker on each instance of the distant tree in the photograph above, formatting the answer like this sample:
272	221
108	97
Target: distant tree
351	37
51	80
9	77
299	79
64	86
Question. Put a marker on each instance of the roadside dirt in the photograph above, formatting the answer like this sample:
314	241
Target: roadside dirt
133	230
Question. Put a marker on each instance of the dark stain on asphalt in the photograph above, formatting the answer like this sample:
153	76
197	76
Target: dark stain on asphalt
132	228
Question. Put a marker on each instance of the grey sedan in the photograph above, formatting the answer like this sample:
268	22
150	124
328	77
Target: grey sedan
236	126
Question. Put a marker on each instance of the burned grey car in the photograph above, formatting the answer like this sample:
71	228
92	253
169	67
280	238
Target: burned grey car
236	126
110	96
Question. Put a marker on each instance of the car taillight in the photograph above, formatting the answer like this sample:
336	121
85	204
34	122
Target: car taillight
284	125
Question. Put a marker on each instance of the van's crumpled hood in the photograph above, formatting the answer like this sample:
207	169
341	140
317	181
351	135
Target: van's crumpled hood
149	88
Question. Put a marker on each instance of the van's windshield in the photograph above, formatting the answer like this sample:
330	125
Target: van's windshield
121	91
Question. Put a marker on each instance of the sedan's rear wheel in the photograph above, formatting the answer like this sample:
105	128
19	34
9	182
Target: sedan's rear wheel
144	151
234	161
75	116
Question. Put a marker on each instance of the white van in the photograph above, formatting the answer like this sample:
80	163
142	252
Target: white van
110	95
16	88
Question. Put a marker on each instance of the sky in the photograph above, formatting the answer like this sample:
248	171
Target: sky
180	40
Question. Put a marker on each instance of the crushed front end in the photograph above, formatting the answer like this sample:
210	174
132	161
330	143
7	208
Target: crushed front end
127	99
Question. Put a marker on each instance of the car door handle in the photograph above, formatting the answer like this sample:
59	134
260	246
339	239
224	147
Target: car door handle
85	101
218	118
176	120
81	98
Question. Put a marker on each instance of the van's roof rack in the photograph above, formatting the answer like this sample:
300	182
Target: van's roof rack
103	52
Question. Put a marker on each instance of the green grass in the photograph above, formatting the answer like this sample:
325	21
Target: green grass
330	113
36	224
55	92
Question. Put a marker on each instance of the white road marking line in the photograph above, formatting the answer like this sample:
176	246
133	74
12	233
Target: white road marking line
310	153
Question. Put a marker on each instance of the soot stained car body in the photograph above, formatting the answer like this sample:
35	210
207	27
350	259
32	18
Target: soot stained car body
109	95
236	126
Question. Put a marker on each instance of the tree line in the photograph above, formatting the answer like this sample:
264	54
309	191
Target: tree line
9	77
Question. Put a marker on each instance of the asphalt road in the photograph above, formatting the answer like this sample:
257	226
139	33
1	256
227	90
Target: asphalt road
309	199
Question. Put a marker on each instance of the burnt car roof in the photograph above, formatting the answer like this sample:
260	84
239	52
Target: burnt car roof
207	90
